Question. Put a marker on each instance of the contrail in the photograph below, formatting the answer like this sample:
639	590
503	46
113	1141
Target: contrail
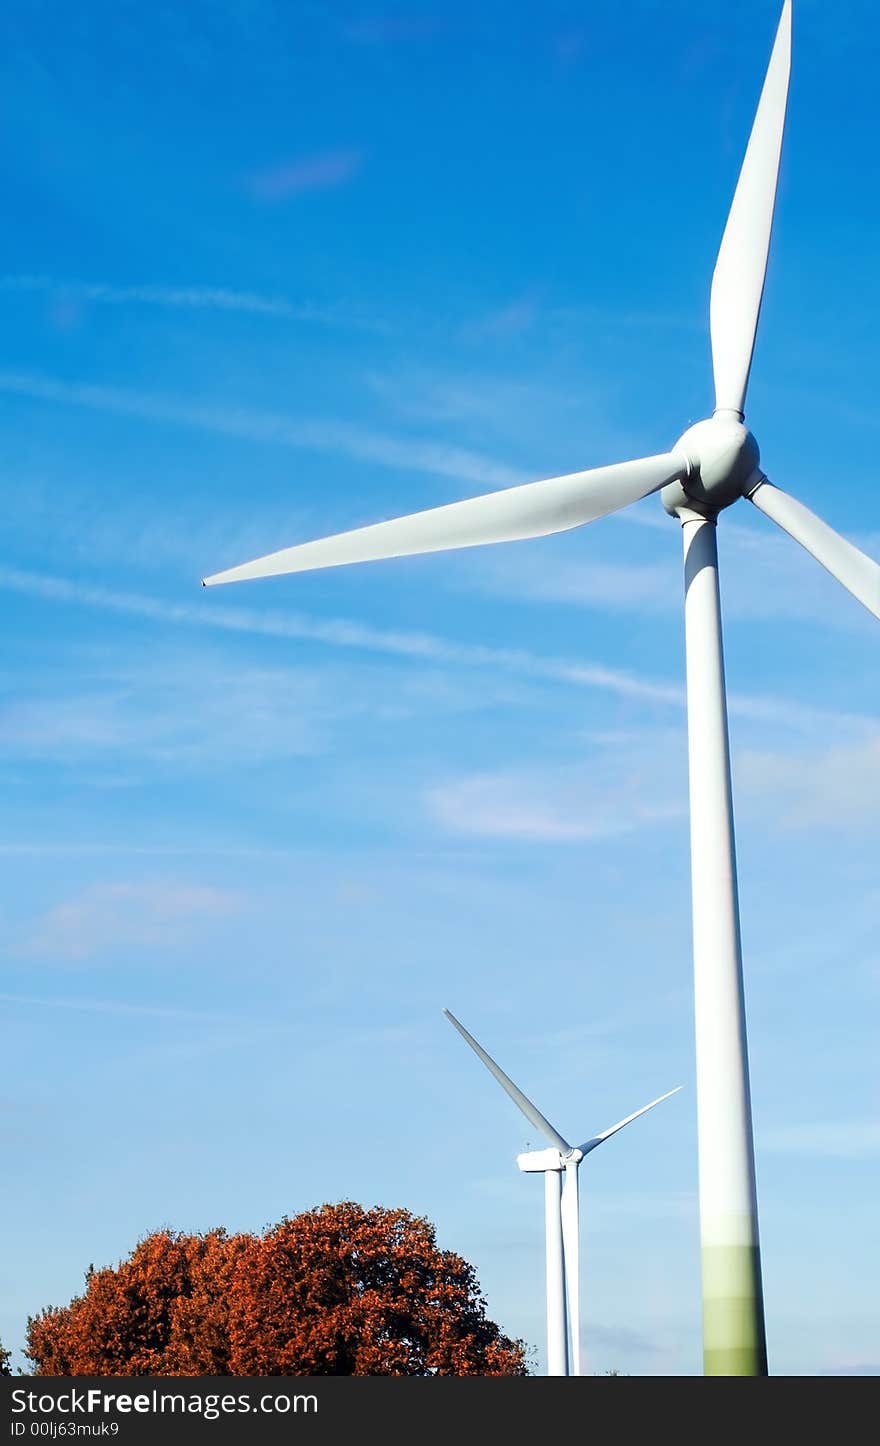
426	647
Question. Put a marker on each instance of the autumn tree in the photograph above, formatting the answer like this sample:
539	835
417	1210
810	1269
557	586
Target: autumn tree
162	1312
344	1291
339	1290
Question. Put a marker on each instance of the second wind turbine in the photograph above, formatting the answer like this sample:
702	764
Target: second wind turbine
561	1212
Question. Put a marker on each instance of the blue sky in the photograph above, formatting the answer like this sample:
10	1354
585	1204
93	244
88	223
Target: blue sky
270	271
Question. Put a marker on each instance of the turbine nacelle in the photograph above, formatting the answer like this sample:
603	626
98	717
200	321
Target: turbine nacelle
721	464
539	1161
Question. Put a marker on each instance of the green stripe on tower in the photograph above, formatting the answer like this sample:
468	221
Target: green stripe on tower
734	1343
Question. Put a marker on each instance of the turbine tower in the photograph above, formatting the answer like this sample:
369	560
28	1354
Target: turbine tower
711	466
559	1165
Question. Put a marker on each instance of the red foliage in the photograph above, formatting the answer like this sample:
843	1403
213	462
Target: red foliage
162	1312
336	1291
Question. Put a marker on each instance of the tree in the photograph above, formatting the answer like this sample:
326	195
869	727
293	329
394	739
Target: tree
4	1362
351	1292
162	1312
339	1290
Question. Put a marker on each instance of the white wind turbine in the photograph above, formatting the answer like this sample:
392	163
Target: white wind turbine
561	1213
711	466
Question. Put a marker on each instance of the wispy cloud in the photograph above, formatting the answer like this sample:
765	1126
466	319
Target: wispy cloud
339	632
124	915
836	787
623	586
844	1140
336	437
194	298
116	1006
307	173
773	579
426	647
802	717
468	397
191	711
569	805
506	322
623	788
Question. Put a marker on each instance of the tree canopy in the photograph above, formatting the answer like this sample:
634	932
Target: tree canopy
336	1291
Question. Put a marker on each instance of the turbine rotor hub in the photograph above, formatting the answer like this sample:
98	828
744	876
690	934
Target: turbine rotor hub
722	459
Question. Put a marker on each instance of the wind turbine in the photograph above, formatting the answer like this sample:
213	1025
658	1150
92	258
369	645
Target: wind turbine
711	466
561	1213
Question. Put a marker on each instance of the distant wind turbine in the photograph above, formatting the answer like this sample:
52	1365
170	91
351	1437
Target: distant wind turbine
561	1213
712	465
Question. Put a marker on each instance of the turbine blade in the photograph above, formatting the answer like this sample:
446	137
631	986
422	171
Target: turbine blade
571	1257
858	573
535	509
738	282
532	1114
612	1130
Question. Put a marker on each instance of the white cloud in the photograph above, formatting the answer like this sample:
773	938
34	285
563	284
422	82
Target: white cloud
343	633
336	437
118	916
506	322
845	1140
625	586
304	173
194	711
612	795
116	1006
425	647
836	787
635	780
193	298
470	398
